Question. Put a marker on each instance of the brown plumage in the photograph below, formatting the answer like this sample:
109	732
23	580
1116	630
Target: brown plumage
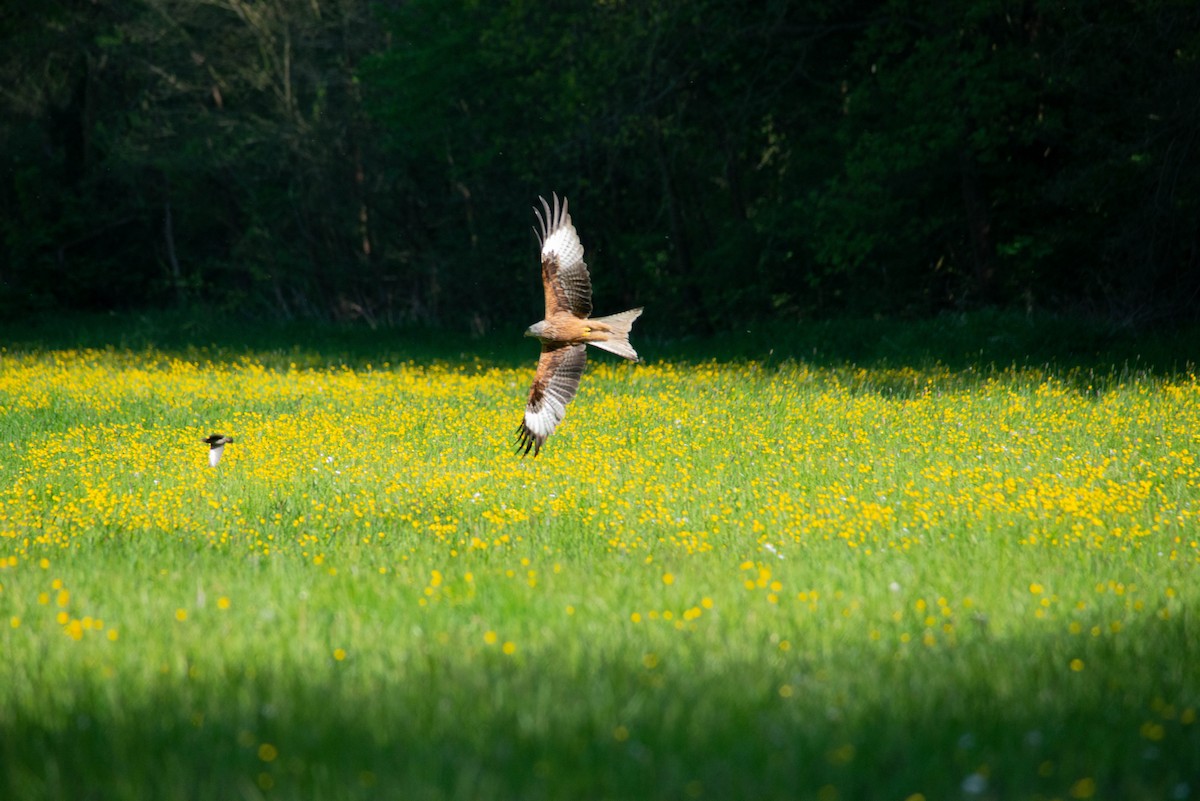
566	329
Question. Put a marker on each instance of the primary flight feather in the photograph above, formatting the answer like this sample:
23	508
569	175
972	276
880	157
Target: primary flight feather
567	328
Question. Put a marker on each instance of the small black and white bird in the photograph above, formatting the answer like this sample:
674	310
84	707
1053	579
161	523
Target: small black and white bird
216	446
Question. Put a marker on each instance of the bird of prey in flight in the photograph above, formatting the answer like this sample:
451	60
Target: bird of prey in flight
567	328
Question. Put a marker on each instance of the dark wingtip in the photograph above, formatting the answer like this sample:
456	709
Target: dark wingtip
547	222
526	441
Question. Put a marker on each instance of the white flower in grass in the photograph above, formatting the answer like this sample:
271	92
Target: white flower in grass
974	784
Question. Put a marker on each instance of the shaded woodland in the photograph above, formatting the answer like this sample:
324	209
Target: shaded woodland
726	161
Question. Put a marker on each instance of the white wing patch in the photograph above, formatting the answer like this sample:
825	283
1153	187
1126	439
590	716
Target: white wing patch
543	422
564	245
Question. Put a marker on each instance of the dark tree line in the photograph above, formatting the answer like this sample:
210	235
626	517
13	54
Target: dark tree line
726	161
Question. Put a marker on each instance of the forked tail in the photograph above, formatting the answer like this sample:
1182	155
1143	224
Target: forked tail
617	336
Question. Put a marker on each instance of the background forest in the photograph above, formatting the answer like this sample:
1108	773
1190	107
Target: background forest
726	161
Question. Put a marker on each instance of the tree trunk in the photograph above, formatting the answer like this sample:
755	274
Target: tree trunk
983	252
679	239
172	258
168	235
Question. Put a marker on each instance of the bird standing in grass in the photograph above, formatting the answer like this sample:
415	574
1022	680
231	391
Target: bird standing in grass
567	328
216	446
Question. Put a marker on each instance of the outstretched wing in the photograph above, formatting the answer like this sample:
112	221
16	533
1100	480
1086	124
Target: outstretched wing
564	274
555	383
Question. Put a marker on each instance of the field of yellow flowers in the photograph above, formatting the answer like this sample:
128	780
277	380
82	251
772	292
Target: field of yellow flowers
746	579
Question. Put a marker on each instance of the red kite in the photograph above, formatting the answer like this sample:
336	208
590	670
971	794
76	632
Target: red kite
567	328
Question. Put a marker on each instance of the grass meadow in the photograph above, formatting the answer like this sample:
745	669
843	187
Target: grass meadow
758	576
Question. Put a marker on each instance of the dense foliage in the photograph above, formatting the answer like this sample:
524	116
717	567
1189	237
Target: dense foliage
726	161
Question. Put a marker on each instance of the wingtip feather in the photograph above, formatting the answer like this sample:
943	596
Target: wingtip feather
552	218
527	440
543	221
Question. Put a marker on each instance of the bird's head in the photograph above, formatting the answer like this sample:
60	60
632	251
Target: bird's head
536	329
